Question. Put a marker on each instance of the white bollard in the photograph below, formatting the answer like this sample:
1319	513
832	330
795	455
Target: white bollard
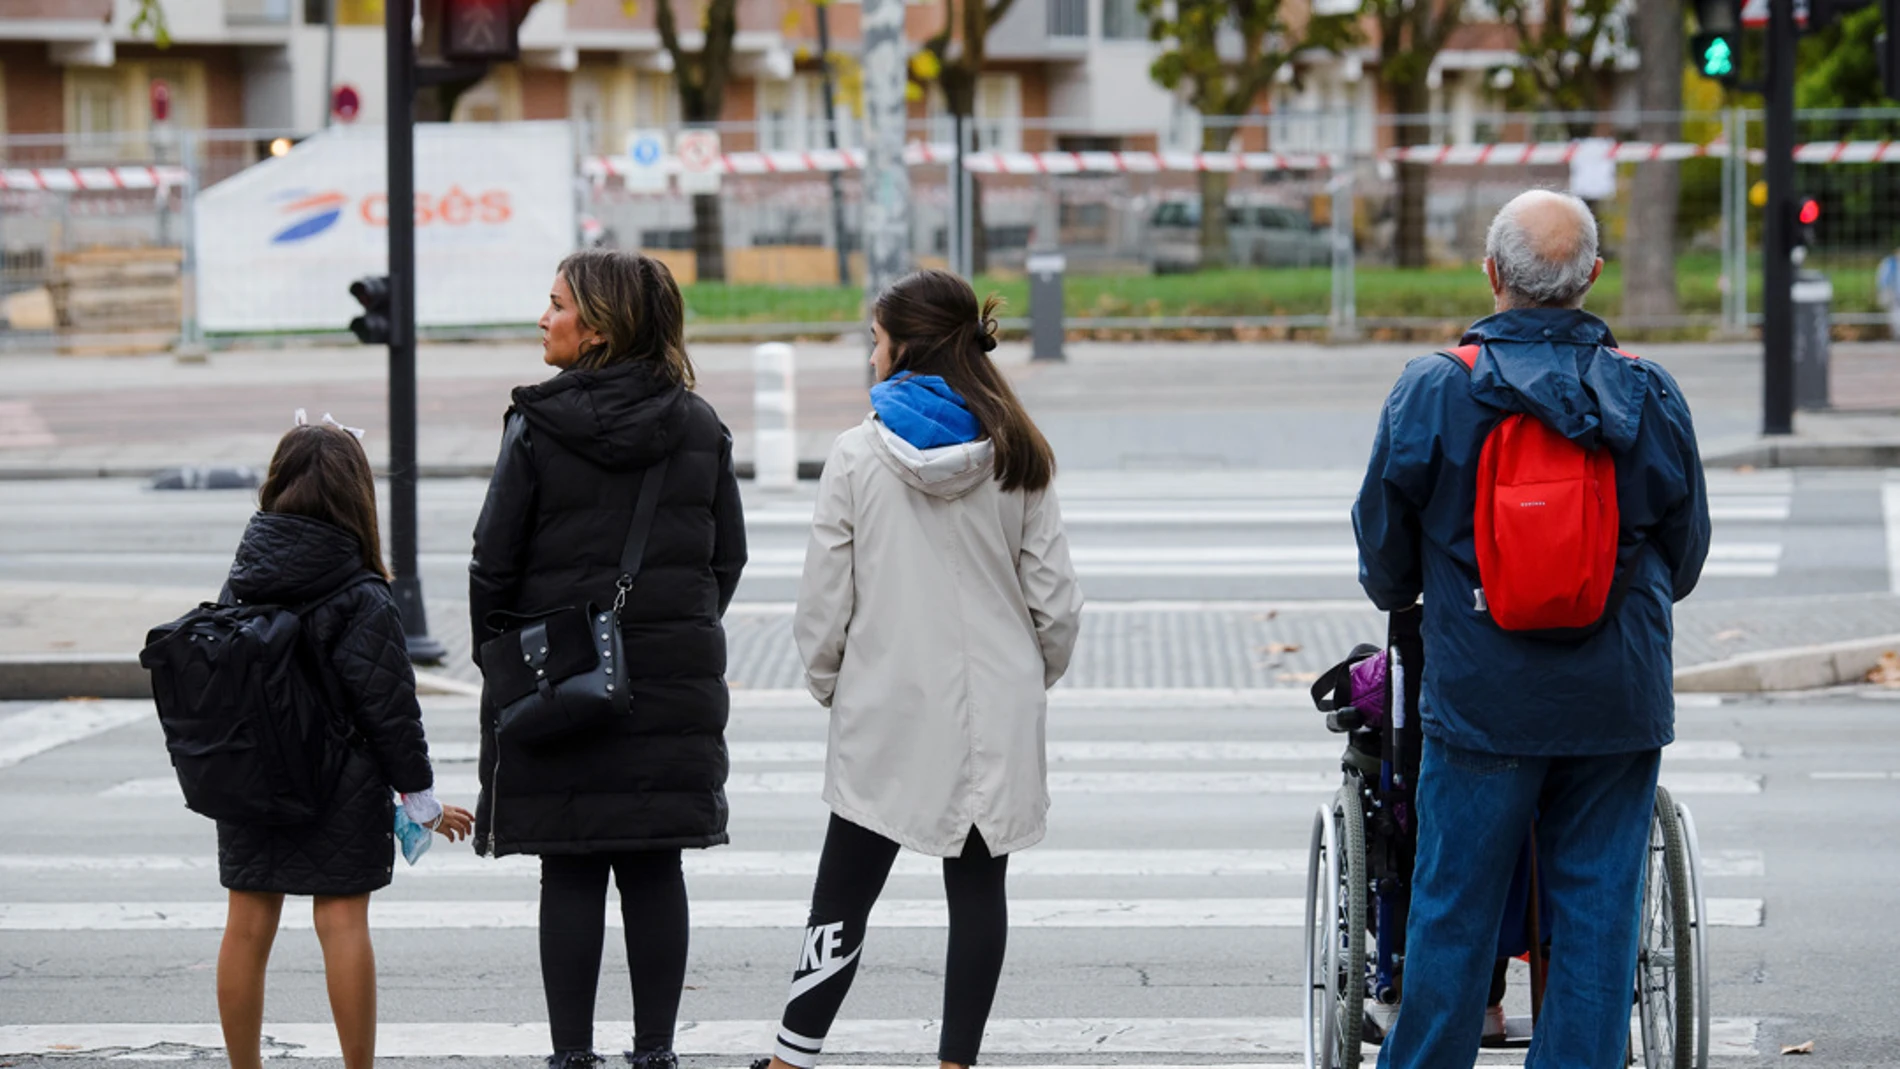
774	405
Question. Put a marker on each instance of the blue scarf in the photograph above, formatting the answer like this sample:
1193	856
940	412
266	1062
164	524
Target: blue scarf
924	411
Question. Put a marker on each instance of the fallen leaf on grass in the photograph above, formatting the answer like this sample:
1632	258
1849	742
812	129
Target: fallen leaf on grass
1800	1048
1887	672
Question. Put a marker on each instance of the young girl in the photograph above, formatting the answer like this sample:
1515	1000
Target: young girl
314	540
938	605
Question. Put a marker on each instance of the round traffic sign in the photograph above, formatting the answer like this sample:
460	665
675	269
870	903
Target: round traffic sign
698	150
646	151
345	103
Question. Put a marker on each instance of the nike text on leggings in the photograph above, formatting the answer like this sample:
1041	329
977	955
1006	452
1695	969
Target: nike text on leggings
851	874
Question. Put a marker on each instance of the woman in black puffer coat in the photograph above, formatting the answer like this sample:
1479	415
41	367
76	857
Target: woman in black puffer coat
628	797
314	543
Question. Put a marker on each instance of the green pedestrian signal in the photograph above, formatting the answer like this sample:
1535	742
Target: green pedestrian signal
1718	60
1716	55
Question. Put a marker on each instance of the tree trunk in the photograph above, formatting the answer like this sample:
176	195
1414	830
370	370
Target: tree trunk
1214	186
1414	178
1649	253
709	238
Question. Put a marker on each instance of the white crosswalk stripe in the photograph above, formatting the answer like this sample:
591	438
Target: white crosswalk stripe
1275	1037
1119	762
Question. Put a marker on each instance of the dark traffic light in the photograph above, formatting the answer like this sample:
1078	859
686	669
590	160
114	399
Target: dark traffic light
372	292
479	31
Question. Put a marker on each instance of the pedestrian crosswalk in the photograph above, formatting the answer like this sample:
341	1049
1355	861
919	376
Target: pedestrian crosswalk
1264	526
1167	900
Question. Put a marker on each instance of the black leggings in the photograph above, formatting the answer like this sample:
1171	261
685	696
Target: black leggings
573	929
851	873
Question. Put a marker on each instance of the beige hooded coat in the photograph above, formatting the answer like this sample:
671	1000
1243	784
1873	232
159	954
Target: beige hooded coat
934	613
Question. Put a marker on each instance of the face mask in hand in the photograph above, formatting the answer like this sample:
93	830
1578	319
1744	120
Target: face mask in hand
415	838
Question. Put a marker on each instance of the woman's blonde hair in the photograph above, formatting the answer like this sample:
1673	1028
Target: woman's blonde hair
632	302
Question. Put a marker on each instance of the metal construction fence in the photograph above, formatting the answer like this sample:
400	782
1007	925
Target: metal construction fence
1329	225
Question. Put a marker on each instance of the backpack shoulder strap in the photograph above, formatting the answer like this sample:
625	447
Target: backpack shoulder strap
360	578
1620	352
1464	354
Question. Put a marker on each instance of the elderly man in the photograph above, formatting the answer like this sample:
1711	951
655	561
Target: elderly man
1566	725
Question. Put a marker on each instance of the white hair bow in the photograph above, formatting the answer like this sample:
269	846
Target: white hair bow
303	420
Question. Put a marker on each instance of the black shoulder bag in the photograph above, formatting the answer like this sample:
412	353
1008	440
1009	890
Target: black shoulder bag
562	672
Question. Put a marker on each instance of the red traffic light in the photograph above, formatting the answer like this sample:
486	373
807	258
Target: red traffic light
1810	212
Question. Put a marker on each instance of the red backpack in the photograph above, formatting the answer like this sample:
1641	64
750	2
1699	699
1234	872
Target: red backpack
1545	526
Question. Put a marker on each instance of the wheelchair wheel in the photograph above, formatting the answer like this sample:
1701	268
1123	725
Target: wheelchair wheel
1700	930
1665	960
1335	950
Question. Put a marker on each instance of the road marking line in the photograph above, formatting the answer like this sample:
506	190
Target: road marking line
1734	863
789	914
1854	775
745	863
43	727
1017	1037
811	784
1062	751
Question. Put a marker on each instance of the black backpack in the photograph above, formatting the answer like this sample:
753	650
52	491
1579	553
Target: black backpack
250	720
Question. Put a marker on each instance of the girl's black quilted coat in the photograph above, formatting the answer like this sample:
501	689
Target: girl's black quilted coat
550	535
292	560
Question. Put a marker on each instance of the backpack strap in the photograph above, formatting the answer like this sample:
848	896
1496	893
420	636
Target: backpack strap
1464	354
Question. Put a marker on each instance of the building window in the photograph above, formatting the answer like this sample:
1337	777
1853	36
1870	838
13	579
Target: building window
999	113
792	116
95	112
1122	20
656	101
1068	18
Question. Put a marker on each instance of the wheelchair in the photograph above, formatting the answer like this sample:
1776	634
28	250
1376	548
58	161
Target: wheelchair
1359	868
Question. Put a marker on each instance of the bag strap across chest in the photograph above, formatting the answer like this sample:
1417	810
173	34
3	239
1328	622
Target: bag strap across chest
635	547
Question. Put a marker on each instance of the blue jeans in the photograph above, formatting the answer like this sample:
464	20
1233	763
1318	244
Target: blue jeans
1474	811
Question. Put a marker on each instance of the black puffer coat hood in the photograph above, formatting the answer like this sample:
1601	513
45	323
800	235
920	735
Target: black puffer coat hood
353	628
573	456
622	417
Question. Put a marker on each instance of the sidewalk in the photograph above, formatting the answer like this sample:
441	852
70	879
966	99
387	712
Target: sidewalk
1109	406
63	638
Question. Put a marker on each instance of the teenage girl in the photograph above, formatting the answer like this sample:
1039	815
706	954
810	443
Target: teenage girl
938	605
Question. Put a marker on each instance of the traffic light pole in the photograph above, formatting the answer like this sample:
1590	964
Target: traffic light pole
1777	333
407	584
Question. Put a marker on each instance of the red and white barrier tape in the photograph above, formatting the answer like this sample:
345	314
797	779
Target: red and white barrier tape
90	179
1029	163
1562	152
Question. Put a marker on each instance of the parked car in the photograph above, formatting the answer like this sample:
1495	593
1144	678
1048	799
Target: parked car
1258	235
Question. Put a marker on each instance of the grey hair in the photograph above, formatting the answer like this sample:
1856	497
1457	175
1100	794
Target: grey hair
1534	270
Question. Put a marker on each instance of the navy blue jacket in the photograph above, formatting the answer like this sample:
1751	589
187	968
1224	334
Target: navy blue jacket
1486	688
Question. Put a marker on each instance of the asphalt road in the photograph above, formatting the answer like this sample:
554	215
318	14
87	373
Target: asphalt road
1154	926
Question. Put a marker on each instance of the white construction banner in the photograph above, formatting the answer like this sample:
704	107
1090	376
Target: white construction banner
279	243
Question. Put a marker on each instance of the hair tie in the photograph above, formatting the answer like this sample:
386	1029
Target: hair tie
988	341
302	419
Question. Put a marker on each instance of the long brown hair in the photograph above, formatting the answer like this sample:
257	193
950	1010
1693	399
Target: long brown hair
632	302
322	472
936	328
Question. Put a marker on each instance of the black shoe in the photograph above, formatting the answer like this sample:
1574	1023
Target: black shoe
762	1063
574	1059
652	1059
